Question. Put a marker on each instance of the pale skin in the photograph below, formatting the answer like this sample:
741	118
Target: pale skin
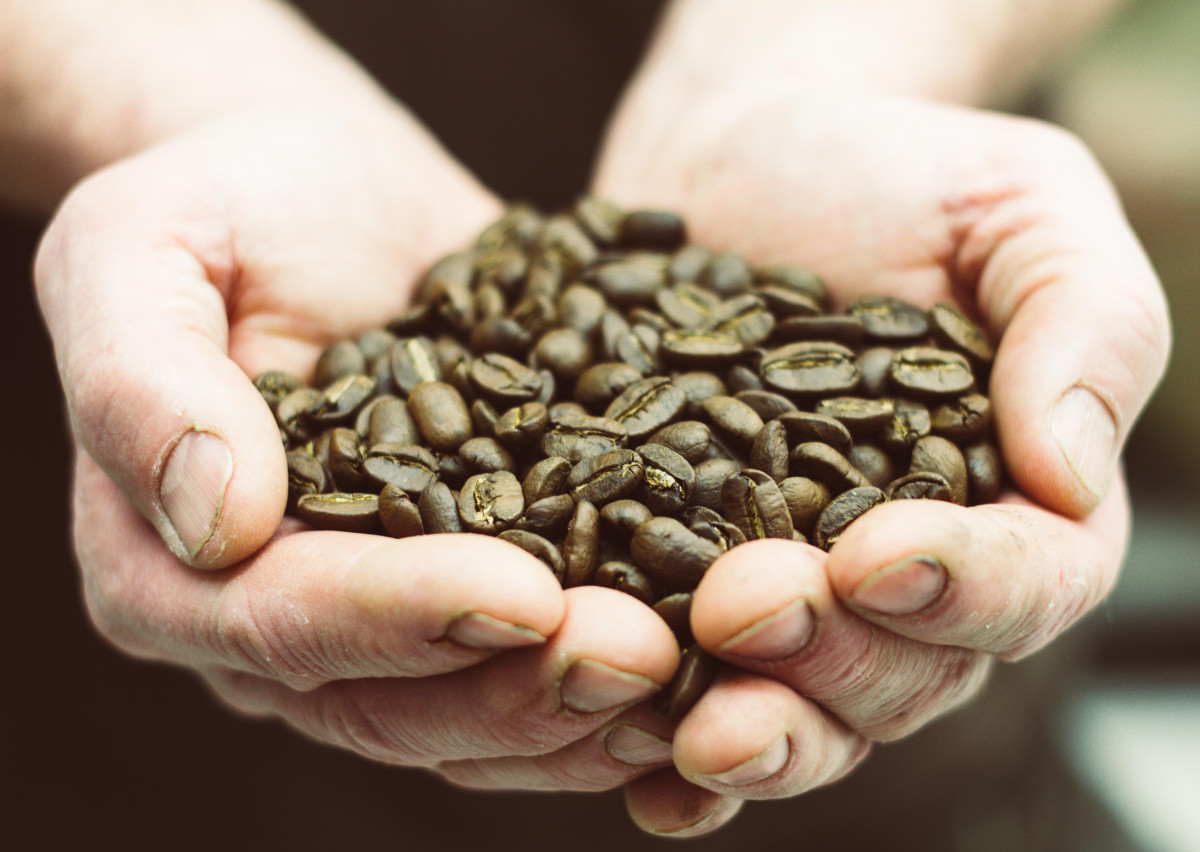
292	203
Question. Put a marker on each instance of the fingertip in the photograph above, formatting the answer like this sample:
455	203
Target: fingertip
665	805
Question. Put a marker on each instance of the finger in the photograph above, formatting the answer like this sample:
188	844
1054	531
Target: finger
767	607
632	745
312	606
1005	578
1085	328
663	803
755	738
610	653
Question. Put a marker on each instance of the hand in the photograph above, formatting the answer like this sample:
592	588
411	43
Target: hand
251	243
899	623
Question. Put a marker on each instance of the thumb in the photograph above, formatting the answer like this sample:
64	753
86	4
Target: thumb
135	307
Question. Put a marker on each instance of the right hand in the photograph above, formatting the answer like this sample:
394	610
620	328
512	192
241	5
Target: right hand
251	243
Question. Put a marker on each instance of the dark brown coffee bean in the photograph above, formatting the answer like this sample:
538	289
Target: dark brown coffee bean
319	448
612	475
928	373
753	503
537	546
842	511
600	384
274	385
454	305
639	348
767	404
910	423
438	509
564	352
375	343
580	307
484	418
769	452
490	303
696	672
925	485
490	502
676	611
632	280
519	226
727	275
521	427
345	512
652	229
693	515
346	460
848	331
548	517
890	320
500	336
579	436
935	454
549	388
407	466
806	499
873	463
545	479
739	378
581	546
700	349
733	419
689	438
686	305
487	455
561	409
414	361
793	278
305	475
600	219
744	317
721	533
965	420
626	578
398	514
698	386
875	365
689	263
389	422
803	426
413	320
563	238
454	271
672	555
502	270
953	330
441	415
667	481
622	517
545	278
337	360
646	406
454	470
710	478
535	313
862	417
784	302
811	368
985	472
503	381
291	413
826	465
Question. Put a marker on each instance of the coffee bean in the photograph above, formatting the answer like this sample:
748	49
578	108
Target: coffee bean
740	378
413	362
580	307
340	511
579	436
633	280
564	352
521	427
826	465
274	385
676	611
646	406
875	365
721	533
537	546
600	384
547	517
806	499
503	381
563	238
925	485
609	476
785	302
408	466
490	502
581	546
935	454
873	463
793	278
453	271
561	409
667	481
693	515
625	578
700	349
689	263
985	471
689	438
398	514
305	475
964	420
811	368
600	219
390	422
696	672
346	460
291	413
862	417
733	419
803	426
910	423
928	373
766	404
671	554
848	331
710	478
546	478
622	517
414	319
438	509
339	359
754	503
454	470
890	320
842	511
639	348
698	386
484	418
487	455
441	415
652	229
687	306
727	275
744	317
769	452
953	330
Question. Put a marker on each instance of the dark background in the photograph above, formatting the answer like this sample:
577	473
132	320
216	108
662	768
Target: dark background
101	749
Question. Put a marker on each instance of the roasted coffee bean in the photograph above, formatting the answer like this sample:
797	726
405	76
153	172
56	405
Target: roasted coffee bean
793	278
693	515
454	305
811	368
953	330
341	400
388	422
580	307
561	409
398	514
928	373
600	384
740	378
612	475
676	611
407	466
685	305
305	475
500	336
744	317
688	349
862	417
563	238
600	219
548	517
627	578
698	386
910	423
826	465
667	481
501	270
672	555
754	503
689	438
455	271
345	512
935	454
652	229
842	511
339	359
579	436
564	352
441	415
319	447
806	499
346	460
890	320
733	419
721	533
549	388
639	348
581	546
769	452
291	413
535	313
925	485
545	277
545	479
622	517
274	385
487	455
696	672
521	427
836	328
784	303
413	320
875	365
766	404
985	472
503	381
653	319
438	509
537	546
727	275
414	361
454	470
519	226
484	418
710	478
689	263
646	406
490	303
873	463
632	280
490	502
965	420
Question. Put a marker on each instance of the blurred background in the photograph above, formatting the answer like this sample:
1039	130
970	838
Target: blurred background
1091	745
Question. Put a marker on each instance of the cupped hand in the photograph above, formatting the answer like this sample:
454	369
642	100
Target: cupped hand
250	243
1011	220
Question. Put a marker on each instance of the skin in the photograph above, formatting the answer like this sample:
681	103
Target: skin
216	231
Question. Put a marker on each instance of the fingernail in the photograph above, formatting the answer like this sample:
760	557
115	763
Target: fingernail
759	768
477	630
904	588
1087	433
724	810
193	489
590	687
776	637
636	747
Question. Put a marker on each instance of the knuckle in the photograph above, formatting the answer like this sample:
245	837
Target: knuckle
269	633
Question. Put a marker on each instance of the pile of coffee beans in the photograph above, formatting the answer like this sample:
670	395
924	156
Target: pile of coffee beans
626	407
